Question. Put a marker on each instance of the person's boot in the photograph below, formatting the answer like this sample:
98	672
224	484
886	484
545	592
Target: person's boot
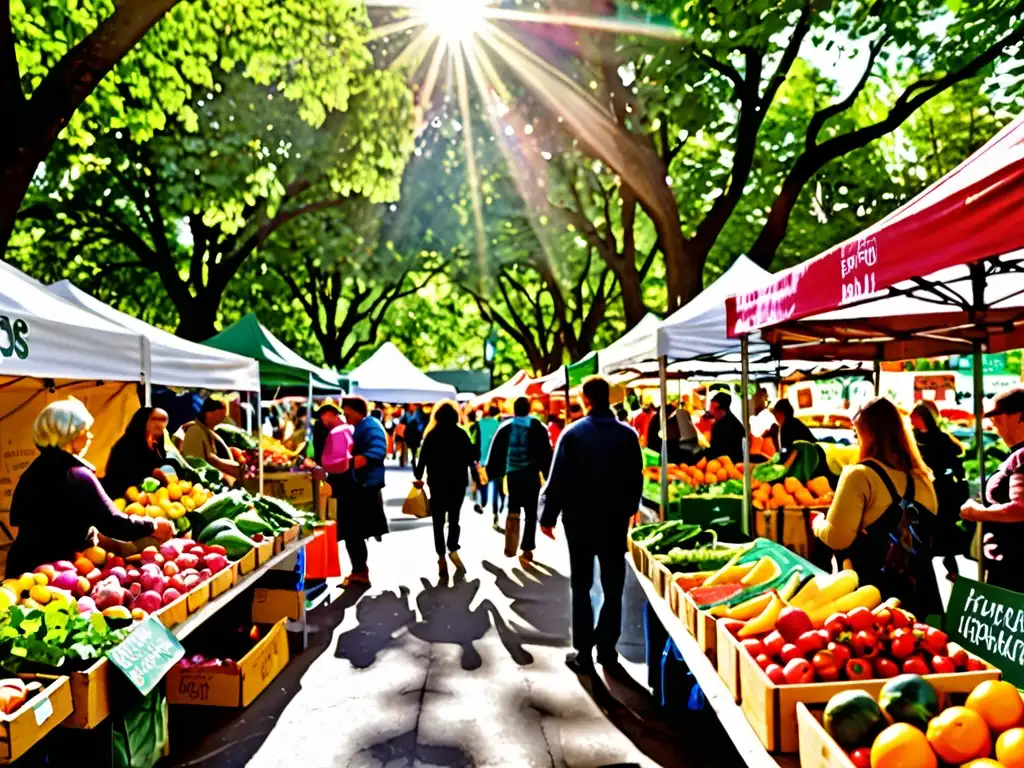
581	664
456	561
497	524
527	555
442	567
356	579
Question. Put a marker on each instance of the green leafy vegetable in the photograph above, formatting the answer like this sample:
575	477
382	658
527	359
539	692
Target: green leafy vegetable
54	638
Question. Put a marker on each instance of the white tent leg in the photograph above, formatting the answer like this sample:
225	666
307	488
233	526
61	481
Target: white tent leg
309	416
746	524
979	439
663	425
259	434
146	353
248	412
878	377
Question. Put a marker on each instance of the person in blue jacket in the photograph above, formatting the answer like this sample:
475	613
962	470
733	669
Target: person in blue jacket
595	484
361	510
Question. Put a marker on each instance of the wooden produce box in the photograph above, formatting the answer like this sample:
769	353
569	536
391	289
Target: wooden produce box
90	694
271	605
661	578
223	581
264	551
36	718
198	596
771	709
727	659
817	748
248	562
215	689
291	534
698	622
175	613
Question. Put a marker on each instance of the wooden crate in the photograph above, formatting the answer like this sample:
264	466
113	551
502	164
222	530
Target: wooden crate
727	659
247	563
771	709
223	581
685	608
291	534
175	613
198	596
90	694
264	551
707	636
36	718
817	748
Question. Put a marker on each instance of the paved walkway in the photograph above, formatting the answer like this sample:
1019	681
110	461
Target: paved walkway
422	671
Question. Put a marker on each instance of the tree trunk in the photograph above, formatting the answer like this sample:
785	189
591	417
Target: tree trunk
684	268
632	295
14	184
198	320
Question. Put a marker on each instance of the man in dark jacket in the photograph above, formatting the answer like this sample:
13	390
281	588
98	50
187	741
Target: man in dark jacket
595	484
521	452
727	432
361	516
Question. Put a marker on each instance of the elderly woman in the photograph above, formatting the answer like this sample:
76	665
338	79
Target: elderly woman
58	500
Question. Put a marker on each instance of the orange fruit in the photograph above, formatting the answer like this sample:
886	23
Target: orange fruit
983	762
998	703
1010	748
959	734
902	746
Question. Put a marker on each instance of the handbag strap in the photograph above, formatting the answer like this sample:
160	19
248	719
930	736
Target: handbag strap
879	470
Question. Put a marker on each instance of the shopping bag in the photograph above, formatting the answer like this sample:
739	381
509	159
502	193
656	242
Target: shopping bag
416	503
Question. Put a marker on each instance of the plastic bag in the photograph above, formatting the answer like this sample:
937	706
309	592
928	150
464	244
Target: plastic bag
416	503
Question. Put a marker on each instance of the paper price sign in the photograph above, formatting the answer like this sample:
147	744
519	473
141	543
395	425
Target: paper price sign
147	654
989	622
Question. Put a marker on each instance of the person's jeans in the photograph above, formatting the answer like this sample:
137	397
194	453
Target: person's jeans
446	503
497	497
482	493
608	550
357	553
523	493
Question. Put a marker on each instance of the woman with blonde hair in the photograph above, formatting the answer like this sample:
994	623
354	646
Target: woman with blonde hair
58	500
447	456
868	517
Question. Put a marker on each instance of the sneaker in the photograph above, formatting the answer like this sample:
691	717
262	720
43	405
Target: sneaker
478	509
357	580
496	525
456	561
582	665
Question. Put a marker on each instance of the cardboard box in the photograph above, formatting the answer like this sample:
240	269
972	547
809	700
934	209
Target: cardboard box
213	689
271	605
33	720
264	551
294	487
771	709
198	596
223	581
817	748
727	661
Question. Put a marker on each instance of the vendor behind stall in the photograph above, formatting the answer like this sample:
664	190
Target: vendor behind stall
138	452
202	442
727	432
58	504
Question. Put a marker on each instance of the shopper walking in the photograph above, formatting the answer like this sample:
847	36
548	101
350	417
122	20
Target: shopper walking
1004	519
875	504
486	429
447	456
361	516
595	485
943	454
413	434
520	453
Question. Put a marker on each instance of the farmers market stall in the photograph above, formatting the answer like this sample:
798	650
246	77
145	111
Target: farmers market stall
803	667
943	274
388	377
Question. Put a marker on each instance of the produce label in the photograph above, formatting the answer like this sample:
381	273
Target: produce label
147	654
989	622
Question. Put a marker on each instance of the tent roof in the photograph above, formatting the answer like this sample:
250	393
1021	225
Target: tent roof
175	362
956	234
279	365
637	345
510	388
388	377
62	341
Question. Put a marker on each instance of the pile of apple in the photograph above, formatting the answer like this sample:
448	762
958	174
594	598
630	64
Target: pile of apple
121	588
860	644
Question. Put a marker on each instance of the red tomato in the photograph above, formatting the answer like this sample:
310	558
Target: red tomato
883	618
776	674
943	665
762	660
975	665
915	665
773	644
825	668
799	671
886	668
860	618
960	658
935	641
858	669
811	642
861	757
754	647
865	644
900	618
790	652
835	625
903	644
841	653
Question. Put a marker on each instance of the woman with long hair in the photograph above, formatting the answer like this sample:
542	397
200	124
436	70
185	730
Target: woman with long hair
447	456
943	454
865	514
137	452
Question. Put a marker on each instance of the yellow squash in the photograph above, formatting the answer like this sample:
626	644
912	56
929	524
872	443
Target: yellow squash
837	586
866	597
748	609
765	621
766	570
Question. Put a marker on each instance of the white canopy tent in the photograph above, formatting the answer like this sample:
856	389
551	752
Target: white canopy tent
637	345
509	389
389	377
43	336
174	362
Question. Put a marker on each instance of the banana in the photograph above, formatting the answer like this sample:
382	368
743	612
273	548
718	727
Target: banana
840	584
748	609
867	597
764	621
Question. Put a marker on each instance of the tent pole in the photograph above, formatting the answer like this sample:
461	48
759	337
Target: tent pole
248	412
259	435
663	430
566	420
309	413
146	352
745	387
878	377
979	439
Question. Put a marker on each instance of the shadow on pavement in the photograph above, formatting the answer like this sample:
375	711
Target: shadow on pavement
228	738
539	595
403	750
380	618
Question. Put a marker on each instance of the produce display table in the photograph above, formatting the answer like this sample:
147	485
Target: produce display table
715	692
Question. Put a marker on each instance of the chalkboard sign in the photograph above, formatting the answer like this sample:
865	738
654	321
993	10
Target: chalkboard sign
989	622
147	654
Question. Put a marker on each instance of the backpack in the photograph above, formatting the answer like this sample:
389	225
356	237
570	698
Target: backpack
899	545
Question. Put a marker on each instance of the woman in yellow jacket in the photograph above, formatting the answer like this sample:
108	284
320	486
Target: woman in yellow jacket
864	500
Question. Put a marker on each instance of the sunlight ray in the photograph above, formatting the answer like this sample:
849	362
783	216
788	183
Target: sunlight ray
471	166
594	23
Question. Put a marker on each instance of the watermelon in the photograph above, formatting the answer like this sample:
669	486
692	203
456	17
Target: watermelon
715	594
909	699
853	719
